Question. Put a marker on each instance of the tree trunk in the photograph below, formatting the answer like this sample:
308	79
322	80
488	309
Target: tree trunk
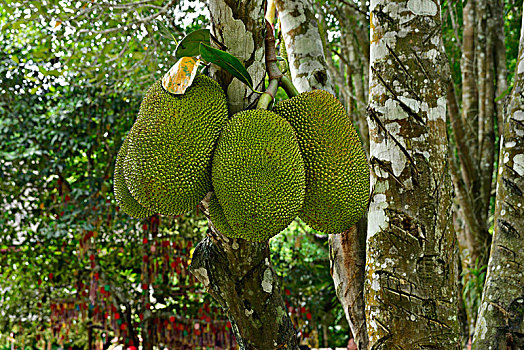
347	253
483	79
411	283
500	324
238	273
347	250
307	62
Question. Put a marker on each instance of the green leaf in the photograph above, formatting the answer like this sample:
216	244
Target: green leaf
14	58
227	61
190	45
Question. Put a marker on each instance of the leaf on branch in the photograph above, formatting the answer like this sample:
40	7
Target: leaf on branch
228	62
190	45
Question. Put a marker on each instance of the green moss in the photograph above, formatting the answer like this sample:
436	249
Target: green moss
168	166
258	174
337	172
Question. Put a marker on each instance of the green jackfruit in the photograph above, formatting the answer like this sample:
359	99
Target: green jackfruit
258	174
123	197
168	165
216	214
337	172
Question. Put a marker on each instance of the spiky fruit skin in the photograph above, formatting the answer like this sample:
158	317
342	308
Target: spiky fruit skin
258	174
337	171
125	200
168	166
216	214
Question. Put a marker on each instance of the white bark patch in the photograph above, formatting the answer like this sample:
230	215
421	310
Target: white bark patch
438	112
518	115
432	54
518	164
481	324
375	285
201	275
379	49
520	69
377	215
235	245
307	43
384	151
392	109
267	281
289	22
248	312
413	104
422	7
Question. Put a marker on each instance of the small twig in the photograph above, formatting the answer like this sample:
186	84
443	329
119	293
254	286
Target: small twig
288	87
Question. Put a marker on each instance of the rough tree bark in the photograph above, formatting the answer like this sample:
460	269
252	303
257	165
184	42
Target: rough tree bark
238	273
411	283
307	62
500	323
346	250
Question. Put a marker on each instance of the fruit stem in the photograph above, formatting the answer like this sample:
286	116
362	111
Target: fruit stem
272	69
269	95
288	87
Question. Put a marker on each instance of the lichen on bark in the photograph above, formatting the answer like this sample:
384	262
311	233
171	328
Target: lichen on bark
411	282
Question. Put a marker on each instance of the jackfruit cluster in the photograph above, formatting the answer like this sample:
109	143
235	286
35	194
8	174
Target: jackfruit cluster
258	174
337	172
265	168
165	162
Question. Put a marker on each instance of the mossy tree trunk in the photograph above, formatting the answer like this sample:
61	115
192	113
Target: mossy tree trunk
500	323
411	277
309	69
237	273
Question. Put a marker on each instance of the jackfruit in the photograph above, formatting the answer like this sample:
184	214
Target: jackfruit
258	174
337	171
123	197
168	165
217	217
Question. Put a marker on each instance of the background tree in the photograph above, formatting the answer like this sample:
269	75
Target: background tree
500	321
411	284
